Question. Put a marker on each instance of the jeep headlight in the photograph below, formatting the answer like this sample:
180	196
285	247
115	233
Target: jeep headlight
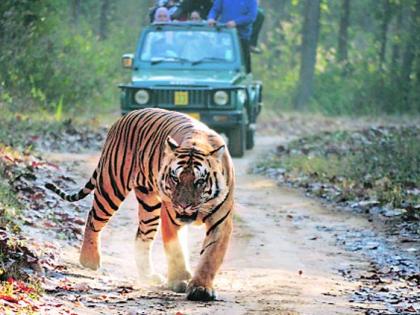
142	97
241	96
221	98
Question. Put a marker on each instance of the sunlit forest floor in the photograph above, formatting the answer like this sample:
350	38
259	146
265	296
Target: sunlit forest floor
351	246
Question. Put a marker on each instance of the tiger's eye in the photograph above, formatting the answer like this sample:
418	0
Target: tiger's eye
174	178
200	182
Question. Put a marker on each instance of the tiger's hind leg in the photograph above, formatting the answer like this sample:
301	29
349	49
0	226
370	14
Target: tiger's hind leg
104	207
149	219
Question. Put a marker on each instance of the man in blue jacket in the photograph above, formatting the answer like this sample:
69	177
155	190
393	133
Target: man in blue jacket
236	13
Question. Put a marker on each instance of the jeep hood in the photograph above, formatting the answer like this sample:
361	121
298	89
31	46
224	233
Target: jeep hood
187	77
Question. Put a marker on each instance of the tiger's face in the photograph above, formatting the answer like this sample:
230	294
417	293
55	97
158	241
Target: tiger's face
190	178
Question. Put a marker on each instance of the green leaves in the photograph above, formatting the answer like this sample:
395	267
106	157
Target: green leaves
377	164
59	110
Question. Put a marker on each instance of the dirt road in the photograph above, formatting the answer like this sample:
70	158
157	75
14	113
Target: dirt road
282	260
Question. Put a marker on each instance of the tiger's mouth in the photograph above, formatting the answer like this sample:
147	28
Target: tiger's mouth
185	218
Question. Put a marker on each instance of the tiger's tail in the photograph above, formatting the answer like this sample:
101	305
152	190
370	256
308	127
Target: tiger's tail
82	193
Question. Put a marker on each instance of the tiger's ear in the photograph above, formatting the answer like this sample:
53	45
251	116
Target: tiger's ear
172	144
218	153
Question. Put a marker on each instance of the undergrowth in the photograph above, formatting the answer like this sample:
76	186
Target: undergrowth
381	164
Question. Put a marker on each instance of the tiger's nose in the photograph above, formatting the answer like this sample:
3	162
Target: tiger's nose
185	208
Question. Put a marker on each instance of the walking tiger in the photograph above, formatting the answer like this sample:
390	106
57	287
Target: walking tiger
181	172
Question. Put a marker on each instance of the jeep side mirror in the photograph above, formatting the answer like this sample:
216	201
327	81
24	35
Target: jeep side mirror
127	61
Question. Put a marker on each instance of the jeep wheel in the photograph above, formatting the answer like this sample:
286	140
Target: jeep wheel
250	134
237	141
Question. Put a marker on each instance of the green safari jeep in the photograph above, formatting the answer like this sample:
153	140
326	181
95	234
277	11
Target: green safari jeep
198	70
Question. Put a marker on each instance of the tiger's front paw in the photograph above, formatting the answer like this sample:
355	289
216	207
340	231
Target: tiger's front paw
178	286
196	292
180	282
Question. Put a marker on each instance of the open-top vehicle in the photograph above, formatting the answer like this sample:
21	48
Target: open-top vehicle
198	70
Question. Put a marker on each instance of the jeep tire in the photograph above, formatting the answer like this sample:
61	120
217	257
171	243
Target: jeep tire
237	141
250	139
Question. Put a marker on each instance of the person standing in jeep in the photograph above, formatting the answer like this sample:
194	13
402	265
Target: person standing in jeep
240	14
188	6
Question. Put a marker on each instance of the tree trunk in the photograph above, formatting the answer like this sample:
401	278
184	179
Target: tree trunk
396	46
274	34
274	14
103	20
310	32
416	82
384	32
410	52
75	11
343	33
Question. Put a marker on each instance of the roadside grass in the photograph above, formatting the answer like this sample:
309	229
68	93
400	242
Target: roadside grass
20	130
21	136
19	290
380	165
10	213
10	209
19	298
32	132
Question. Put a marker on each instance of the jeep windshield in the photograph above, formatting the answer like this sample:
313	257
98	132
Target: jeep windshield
186	46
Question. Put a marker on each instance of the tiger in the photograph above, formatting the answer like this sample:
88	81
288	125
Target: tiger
181	173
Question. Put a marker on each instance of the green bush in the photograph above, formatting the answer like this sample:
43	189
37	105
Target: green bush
380	163
48	62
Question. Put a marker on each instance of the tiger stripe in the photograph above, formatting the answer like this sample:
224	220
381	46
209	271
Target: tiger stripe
180	172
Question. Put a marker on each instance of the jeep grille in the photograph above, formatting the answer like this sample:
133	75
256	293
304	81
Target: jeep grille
196	98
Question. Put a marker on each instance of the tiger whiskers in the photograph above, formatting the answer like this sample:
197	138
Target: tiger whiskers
205	211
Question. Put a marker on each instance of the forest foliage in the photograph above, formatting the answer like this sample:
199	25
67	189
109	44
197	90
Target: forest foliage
355	168
64	55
